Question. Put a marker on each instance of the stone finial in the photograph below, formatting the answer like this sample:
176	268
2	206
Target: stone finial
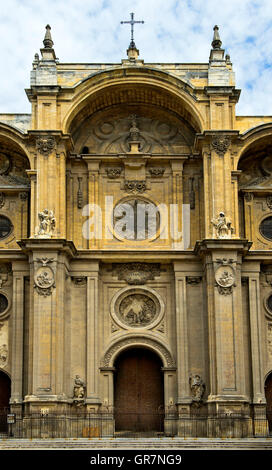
48	43
216	42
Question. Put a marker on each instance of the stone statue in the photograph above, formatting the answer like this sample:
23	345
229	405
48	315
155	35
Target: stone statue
47	224
223	226
79	389
197	388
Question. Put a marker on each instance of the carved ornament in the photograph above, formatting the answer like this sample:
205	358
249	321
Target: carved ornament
156	171
2	199
47	224
3	355
44	281
45	145
79	280
197	388
225	279
135	186
222	226
221	144
193	280
269	202
114	172
137	273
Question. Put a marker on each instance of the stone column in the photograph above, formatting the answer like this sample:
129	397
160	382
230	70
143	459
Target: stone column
93	200
251	271
183	395
93	336
49	260
20	270
177	192
222	260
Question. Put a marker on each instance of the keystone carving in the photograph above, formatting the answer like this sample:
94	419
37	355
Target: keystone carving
45	145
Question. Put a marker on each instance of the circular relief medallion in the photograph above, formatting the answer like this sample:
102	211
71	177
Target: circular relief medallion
137	308
44	277
224	276
4	163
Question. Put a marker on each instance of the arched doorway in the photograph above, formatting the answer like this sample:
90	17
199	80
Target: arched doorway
268	396
138	391
4	400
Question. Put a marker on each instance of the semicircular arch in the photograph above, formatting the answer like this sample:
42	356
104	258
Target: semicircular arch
144	341
139	86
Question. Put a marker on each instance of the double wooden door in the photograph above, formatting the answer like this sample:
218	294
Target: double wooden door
4	400
138	390
268	396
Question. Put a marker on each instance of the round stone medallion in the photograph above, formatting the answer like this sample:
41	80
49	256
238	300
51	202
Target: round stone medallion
44	277
137	308
224	276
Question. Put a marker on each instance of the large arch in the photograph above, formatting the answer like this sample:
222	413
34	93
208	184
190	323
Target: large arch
138	85
145	341
16	141
268	396
260	135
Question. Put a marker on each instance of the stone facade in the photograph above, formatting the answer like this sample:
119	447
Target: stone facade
130	134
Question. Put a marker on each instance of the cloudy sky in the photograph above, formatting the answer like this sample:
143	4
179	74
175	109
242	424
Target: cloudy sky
174	31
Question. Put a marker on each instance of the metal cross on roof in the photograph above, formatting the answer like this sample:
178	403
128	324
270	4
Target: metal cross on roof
132	22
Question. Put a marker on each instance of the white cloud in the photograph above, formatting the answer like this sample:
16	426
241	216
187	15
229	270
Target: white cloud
174	31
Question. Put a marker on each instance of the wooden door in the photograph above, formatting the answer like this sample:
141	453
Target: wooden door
138	391
268	396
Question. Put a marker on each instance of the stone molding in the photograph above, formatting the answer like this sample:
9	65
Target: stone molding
151	343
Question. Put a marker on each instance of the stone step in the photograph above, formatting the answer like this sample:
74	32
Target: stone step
130	444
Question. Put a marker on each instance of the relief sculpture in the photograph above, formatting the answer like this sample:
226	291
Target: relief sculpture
137	310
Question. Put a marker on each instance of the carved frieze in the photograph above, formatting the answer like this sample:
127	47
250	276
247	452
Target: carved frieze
137	273
221	144
45	145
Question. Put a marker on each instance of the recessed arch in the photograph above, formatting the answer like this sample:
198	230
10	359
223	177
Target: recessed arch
15	141
136	85
258	136
142	340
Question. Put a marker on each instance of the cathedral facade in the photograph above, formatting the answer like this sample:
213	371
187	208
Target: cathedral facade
135	247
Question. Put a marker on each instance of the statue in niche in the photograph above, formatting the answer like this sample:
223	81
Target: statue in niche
197	388
223	226
47	224
79	389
